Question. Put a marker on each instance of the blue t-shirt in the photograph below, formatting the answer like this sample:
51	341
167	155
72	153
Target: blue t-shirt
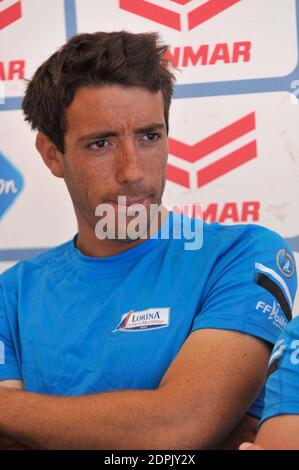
71	324
282	387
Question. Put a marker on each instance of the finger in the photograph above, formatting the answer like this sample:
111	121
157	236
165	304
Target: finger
249	446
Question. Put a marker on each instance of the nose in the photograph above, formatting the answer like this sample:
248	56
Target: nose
128	165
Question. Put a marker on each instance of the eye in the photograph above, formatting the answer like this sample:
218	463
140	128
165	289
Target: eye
98	145
152	136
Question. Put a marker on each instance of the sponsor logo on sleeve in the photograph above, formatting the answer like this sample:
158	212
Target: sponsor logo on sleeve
274	313
150	319
285	263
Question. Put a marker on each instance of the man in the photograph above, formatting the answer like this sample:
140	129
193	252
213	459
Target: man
279	426
124	342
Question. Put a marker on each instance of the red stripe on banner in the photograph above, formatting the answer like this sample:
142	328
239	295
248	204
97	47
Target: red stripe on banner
193	153
127	319
10	15
177	175
227	164
153	12
208	10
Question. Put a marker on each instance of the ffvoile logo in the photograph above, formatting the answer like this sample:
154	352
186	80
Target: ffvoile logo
173	18
204	148
9	13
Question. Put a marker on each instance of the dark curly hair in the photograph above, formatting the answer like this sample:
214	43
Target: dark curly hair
94	60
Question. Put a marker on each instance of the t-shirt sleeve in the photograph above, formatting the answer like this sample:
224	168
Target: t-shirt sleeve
9	364
251	288
282	387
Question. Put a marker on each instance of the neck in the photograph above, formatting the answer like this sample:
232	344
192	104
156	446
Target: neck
90	245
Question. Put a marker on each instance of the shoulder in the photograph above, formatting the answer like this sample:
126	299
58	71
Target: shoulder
254	239
246	232
259	254
12	275
248	243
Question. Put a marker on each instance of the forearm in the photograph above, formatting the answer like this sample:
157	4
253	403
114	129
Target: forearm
245	431
117	420
8	444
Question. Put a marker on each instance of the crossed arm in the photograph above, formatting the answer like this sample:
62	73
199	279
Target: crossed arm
202	397
5	443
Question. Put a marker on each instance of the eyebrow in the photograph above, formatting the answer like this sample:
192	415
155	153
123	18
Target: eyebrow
105	134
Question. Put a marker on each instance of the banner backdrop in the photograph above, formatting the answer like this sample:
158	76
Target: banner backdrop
234	125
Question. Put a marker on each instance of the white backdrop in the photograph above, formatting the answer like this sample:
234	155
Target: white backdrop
234	126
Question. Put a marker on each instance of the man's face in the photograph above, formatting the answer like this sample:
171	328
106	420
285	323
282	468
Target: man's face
115	145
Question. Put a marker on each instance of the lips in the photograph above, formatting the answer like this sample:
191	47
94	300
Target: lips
129	201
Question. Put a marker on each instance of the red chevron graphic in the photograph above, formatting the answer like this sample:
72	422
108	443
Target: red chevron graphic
10	15
171	18
152	12
194	153
177	175
227	164
182	2
208	10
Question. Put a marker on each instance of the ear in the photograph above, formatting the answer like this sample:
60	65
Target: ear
50	154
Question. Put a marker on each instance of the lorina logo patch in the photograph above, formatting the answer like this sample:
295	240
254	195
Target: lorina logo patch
152	318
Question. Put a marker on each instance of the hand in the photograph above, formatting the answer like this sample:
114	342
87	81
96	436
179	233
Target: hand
250	446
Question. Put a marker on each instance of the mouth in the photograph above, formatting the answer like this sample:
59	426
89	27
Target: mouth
123	202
